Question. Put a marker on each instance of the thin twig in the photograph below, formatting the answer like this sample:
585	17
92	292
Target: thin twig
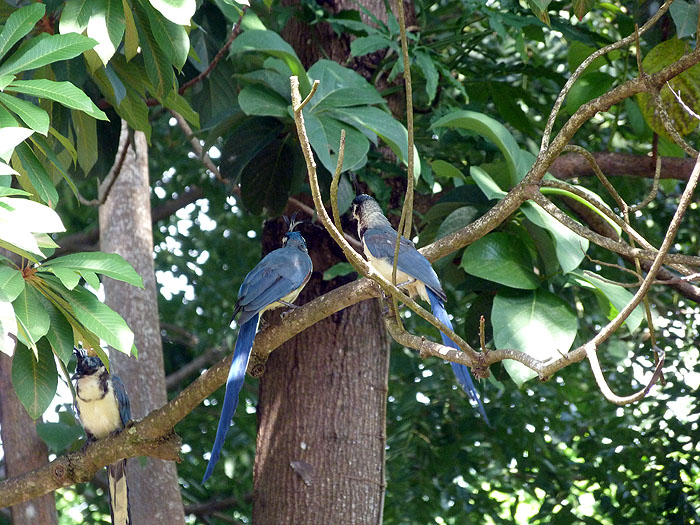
654	188
336	180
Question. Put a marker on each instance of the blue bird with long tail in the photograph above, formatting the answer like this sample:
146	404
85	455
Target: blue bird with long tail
276	281
414	273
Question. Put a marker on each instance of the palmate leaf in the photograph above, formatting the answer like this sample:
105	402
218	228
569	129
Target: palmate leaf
11	282
19	24
31	316
62	92
41	51
110	264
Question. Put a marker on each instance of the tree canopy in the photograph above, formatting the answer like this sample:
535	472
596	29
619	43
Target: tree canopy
554	160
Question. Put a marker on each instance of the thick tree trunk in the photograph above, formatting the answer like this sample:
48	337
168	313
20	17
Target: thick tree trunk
23	450
125	228
321	415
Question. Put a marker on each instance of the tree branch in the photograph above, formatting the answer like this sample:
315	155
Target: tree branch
616	164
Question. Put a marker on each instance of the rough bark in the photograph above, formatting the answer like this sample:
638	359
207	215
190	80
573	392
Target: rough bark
23	450
125	228
321	418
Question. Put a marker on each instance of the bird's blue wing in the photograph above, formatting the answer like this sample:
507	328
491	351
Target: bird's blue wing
381	243
461	371
122	400
276	276
234	383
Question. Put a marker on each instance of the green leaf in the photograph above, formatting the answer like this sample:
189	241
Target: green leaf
616	295
486	184
267	178
31	316
502	258
324	135
685	17
456	220
245	142
172	38
75	16
588	87
178	103
369	44
271	43
338	270
106	26
538	323
37	175
101	320
340	87
35	380
687	84
570	247
429	71
110	264
68	277
41	51
131	36
383	124
492	130
444	170
19	24
5	80
60	334
158	67
177	11
32	115
59	436
63	92
8	327
11	282
86	140
262	101
11	136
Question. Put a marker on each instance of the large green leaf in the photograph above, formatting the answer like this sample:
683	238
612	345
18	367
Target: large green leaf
486	183
177	11
36	173
267	178
11	282
30	216
687	84
19	24
97	317
158	67
31	316
261	101
61	435
110	264
538	323
245	142
75	16
62	92
60	334
324	136
502	258
271	43
86	140
385	126
685	17
35	379
492	130
340	87
172	38
570	247
41	51
106	26
616	296
32	115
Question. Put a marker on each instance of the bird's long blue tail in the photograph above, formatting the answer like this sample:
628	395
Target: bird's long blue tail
118	493
234	383
464	378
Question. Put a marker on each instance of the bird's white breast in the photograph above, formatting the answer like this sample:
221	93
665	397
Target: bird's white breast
384	267
99	412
